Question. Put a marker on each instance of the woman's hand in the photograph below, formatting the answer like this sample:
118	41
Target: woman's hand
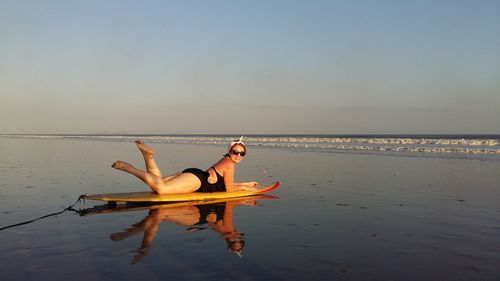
253	184
249	186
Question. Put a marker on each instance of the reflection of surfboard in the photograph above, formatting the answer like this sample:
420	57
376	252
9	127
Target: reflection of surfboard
195	196
140	206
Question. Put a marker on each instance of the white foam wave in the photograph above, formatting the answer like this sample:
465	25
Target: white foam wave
421	145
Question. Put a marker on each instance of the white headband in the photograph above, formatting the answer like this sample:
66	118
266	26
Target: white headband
233	143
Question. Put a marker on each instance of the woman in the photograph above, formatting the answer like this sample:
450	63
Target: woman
219	177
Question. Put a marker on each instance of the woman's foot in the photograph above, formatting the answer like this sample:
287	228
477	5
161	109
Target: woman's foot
120	165
144	148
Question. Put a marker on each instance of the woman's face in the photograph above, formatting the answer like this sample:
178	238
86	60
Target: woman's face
235	153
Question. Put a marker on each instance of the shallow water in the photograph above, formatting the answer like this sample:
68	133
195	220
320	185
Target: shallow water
340	216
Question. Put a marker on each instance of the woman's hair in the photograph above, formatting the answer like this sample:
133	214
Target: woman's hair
236	244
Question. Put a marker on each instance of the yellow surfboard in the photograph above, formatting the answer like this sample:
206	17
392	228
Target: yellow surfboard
195	196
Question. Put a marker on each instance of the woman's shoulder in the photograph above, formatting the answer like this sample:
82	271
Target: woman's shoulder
224	164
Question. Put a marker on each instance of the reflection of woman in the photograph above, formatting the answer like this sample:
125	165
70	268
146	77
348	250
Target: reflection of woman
225	227
219	217
219	177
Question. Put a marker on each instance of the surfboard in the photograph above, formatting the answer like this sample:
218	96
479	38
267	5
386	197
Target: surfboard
195	196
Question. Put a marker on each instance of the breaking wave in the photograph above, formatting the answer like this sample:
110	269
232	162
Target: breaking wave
483	145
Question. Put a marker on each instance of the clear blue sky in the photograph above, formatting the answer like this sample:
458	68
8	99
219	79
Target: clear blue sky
250	66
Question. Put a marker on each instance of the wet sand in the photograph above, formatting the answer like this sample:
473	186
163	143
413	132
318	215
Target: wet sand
340	216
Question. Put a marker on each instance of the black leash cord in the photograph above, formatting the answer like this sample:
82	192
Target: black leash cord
70	208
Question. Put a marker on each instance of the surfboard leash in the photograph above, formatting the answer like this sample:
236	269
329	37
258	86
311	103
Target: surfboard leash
69	208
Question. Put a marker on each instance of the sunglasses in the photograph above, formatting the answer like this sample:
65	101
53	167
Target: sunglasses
236	152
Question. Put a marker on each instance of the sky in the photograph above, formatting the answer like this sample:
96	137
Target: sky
250	67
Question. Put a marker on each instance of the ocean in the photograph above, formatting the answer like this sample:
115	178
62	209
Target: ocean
349	208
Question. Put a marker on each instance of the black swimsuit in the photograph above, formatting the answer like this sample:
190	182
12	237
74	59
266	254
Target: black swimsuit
206	210
203	177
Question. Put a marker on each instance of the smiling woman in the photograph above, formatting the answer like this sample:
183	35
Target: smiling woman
219	177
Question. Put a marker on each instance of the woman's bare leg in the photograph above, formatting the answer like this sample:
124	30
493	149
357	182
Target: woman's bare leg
179	183
148	153
167	178
151	180
151	166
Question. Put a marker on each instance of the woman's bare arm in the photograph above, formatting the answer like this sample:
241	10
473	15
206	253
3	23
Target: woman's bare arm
228	171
